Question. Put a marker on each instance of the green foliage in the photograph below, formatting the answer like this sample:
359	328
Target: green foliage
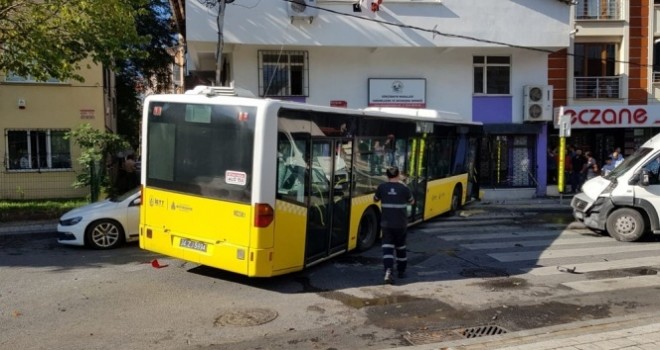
37	210
50	38
149	71
96	148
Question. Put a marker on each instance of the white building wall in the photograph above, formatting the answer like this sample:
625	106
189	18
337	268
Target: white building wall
342	74
537	23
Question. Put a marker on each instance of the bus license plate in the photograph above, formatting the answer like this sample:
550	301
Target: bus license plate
189	243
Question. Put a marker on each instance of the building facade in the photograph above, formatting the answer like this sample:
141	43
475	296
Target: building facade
464	56
39	161
608	78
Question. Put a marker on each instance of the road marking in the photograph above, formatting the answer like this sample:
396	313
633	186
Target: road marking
562	240
577	252
611	284
596	266
507	235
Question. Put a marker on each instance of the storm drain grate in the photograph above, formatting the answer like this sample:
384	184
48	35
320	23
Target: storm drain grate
481	331
430	336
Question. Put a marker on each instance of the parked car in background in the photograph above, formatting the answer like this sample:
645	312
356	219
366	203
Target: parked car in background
102	225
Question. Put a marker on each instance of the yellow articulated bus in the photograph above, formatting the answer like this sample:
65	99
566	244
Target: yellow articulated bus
265	187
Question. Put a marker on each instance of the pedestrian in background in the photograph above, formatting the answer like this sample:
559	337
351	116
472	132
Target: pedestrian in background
578	166
395	198
592	169
608	167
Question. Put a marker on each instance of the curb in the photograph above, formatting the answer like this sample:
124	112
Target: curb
547	335
28	227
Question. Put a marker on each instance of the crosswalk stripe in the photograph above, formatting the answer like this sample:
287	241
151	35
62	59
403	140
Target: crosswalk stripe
508	235
535	243
597	266
577	252
610	284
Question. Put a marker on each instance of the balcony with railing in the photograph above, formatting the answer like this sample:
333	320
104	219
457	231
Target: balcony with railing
598	10
597	87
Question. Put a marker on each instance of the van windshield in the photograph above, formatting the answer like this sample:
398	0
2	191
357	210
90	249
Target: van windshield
629	163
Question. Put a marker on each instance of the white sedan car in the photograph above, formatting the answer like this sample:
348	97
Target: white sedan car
102	225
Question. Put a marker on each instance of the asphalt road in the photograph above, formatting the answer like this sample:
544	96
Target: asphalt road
492	269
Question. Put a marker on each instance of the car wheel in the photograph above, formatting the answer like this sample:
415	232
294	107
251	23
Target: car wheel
626	225
104	234
367	231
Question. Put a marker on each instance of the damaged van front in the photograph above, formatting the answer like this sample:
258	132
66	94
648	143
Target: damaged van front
624	203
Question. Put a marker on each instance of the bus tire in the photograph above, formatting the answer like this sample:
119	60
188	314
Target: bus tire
626	225
456	200
367	230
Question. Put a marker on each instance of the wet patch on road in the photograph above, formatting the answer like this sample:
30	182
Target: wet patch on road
503	283
618	273
359	303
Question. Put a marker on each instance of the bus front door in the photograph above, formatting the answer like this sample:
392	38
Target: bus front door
416	176
329	199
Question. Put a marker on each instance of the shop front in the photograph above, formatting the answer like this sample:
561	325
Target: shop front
603	129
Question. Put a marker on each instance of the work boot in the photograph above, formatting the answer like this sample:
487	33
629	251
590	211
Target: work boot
401	274
388	277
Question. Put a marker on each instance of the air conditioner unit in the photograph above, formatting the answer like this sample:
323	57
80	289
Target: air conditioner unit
537	103
305	9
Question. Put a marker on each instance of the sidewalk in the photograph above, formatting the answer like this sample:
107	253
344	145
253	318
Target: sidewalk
633	332
28	227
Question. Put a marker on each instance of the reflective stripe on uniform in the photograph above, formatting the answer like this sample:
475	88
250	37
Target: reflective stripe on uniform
396	206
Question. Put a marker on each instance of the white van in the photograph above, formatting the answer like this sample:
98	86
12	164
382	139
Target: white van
626	202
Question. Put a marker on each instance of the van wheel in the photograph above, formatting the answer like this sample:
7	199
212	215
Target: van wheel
367	231
626	225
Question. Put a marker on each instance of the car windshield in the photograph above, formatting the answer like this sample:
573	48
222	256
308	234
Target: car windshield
124	196
629	163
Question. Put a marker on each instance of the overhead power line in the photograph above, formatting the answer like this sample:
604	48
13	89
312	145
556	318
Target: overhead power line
435	32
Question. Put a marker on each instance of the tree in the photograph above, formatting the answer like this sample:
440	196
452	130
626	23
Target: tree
45	39
97	147
148	72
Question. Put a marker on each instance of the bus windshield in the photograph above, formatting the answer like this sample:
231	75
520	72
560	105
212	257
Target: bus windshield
628	163
201	149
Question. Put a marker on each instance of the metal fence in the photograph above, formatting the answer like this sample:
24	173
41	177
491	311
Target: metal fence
598	10
23	185
598	87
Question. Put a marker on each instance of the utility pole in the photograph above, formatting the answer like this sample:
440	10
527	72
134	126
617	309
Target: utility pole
220	20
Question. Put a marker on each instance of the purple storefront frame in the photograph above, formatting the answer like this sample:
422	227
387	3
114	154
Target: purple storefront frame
499	110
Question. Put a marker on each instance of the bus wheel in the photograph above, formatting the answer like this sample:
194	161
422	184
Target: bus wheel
367	231
626	225
456	200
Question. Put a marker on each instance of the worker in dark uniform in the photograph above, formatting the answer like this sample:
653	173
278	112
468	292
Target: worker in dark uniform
395	197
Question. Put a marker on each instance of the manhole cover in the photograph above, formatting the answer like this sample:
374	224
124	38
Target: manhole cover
249	317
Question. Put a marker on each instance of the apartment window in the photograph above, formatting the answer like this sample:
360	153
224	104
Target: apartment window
283	73
595	70
37	150
15	78
597	9
492	75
